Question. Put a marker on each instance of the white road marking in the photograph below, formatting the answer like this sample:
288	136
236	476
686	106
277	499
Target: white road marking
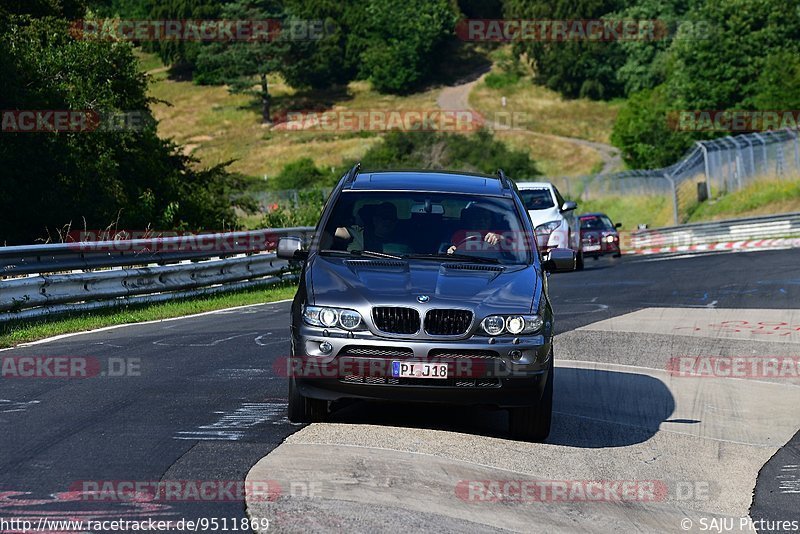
164	343
114	327
233	426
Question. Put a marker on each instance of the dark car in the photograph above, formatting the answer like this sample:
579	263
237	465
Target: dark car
424	286
599	235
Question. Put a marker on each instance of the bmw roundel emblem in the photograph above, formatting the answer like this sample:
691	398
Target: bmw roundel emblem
423	298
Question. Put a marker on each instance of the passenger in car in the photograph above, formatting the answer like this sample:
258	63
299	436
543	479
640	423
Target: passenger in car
378	233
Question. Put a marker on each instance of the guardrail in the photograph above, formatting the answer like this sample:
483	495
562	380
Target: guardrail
41	280
734	233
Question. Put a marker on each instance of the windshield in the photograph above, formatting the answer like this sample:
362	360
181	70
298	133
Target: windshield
596	222
537	199
427	224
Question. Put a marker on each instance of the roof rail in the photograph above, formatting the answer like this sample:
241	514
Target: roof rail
352	173
506	183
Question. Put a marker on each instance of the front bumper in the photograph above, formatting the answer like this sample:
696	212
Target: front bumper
479	372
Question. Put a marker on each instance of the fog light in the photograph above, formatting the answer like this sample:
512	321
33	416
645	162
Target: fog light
325	347
515	354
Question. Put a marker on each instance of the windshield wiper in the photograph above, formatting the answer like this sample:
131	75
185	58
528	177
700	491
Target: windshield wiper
365	253
455	257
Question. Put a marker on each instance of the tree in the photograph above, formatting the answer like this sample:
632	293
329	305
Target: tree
181	54
647	61
129	176
777	86
644	132
320	60
574	68
395	43
236	62
721	70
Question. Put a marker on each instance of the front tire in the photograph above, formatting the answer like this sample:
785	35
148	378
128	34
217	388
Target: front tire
532	423
304	409
579	261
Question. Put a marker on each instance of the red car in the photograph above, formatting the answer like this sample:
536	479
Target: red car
599	235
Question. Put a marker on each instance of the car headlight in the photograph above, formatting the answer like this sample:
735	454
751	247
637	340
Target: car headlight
547	228
349	319
331	317
513	324
493	325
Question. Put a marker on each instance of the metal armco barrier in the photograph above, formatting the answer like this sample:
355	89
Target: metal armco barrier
729	231
48	279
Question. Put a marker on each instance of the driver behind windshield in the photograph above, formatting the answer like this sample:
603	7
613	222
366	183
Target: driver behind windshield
476	222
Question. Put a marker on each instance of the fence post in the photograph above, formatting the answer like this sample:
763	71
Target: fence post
793	134
752	156
763	150
705	168
674	197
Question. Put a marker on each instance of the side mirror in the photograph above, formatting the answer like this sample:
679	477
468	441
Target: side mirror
569	206
618	225
559	260
291	248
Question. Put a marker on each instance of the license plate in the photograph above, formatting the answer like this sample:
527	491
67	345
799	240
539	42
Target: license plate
419	370
590	248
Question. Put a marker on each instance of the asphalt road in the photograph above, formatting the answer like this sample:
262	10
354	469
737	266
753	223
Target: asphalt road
200	402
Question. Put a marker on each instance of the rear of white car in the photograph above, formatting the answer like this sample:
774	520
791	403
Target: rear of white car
553	217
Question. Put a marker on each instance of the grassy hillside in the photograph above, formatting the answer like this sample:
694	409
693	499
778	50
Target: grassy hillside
215	126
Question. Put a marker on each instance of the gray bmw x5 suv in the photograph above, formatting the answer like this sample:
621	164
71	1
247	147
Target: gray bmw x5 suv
424	286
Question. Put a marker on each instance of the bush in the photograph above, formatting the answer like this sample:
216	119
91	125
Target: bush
432	150
299	174
304	210
643	132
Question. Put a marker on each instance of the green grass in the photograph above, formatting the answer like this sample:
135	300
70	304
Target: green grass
14	333
763	197
655	211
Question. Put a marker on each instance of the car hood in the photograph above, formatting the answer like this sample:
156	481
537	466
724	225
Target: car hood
546	215
364	283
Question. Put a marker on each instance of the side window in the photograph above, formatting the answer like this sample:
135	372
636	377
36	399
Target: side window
559	198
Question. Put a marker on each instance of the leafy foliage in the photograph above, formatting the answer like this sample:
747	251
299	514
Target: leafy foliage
643	131
130	177
573	68
397	41
299	174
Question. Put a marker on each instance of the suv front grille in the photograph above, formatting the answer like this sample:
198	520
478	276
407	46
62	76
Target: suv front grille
446	354
447	322
393	320
376	352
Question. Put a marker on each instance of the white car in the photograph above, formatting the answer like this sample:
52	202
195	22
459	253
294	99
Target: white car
553	218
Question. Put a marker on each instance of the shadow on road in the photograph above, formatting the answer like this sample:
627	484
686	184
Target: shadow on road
593	409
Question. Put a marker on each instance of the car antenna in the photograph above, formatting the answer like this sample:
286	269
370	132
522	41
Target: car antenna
503	179
352	173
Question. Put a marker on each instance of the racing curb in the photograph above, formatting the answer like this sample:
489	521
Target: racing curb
765	244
